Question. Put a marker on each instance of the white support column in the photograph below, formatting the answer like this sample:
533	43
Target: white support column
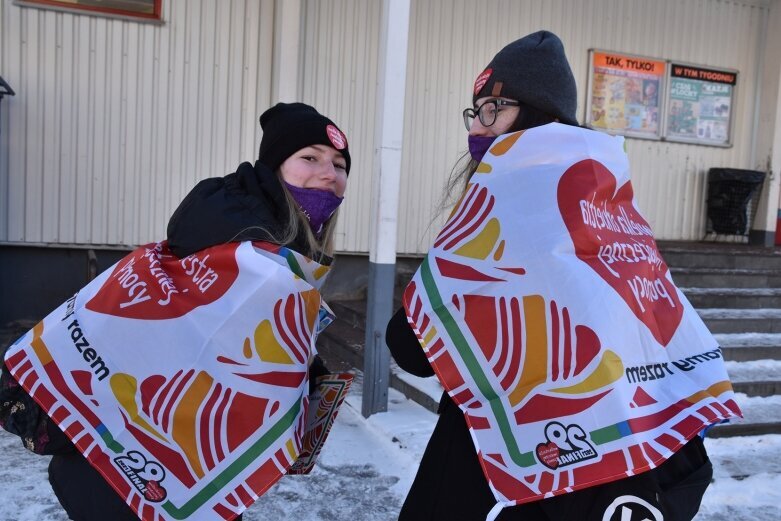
389	129
769	130
774	186
287	44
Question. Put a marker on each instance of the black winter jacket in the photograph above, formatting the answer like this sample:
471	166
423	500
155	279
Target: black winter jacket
246	205
450	484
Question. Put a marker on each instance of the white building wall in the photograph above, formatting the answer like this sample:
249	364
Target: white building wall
114	121
769	121
340	42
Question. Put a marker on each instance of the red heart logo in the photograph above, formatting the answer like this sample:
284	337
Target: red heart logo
548	454
153	284
616	242
337	138
482	79
154	492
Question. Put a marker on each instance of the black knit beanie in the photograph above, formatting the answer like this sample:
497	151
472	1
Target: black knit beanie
289	127
533	70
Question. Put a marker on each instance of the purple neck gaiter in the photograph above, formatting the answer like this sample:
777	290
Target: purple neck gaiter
478	146
317	205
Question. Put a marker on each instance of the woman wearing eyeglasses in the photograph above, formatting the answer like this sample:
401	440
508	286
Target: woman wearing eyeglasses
528	84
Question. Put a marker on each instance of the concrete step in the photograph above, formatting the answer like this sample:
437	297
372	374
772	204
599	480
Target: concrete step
756	377
722	277
351	311
722	320
742	347
739	298
711	255
343	341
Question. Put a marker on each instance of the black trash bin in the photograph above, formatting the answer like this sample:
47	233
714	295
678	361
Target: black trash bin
732	195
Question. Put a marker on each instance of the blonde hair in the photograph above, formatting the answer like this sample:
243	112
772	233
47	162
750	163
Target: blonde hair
457	182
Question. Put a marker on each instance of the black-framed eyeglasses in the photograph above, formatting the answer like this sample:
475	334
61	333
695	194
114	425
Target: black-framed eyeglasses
487	112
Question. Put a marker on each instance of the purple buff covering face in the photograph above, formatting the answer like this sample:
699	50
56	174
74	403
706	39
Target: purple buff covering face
317	205
479	145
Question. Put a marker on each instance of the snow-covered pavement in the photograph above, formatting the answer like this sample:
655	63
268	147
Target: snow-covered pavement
367	466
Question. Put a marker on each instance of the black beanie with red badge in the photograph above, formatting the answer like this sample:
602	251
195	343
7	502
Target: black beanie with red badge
289	127
533	70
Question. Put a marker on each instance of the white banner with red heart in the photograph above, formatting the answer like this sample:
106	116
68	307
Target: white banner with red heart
183	381
549	315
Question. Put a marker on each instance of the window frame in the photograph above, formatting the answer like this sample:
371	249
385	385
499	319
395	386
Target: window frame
156	17
622	70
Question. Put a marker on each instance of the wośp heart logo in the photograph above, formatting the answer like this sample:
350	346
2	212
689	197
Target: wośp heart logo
612	238
153	284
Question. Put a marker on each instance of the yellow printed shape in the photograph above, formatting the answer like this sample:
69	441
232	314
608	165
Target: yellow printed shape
321	272
714	390
432	333
506	144
125	388
312	303
483	168
699	396
483	244
267	346
185	428
499	251
720	387
291	450
535	354
610	369
39	346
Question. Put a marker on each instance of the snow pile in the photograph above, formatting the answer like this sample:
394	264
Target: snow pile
367	466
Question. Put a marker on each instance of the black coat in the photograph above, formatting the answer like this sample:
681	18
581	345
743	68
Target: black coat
450	484
246	205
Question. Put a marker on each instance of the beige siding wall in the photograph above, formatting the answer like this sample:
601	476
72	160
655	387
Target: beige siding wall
340	40
114	121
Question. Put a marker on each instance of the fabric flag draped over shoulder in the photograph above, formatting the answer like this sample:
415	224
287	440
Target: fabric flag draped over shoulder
552	321
183	381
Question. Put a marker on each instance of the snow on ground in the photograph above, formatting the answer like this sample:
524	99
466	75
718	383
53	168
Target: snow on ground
367	466
431	386
759	409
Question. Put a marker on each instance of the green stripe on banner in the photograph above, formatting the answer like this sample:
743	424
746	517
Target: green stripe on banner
473	366
233	470
606	434
292	262
109	440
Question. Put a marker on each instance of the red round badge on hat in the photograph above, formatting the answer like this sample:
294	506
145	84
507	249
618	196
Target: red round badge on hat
338	140
482	79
